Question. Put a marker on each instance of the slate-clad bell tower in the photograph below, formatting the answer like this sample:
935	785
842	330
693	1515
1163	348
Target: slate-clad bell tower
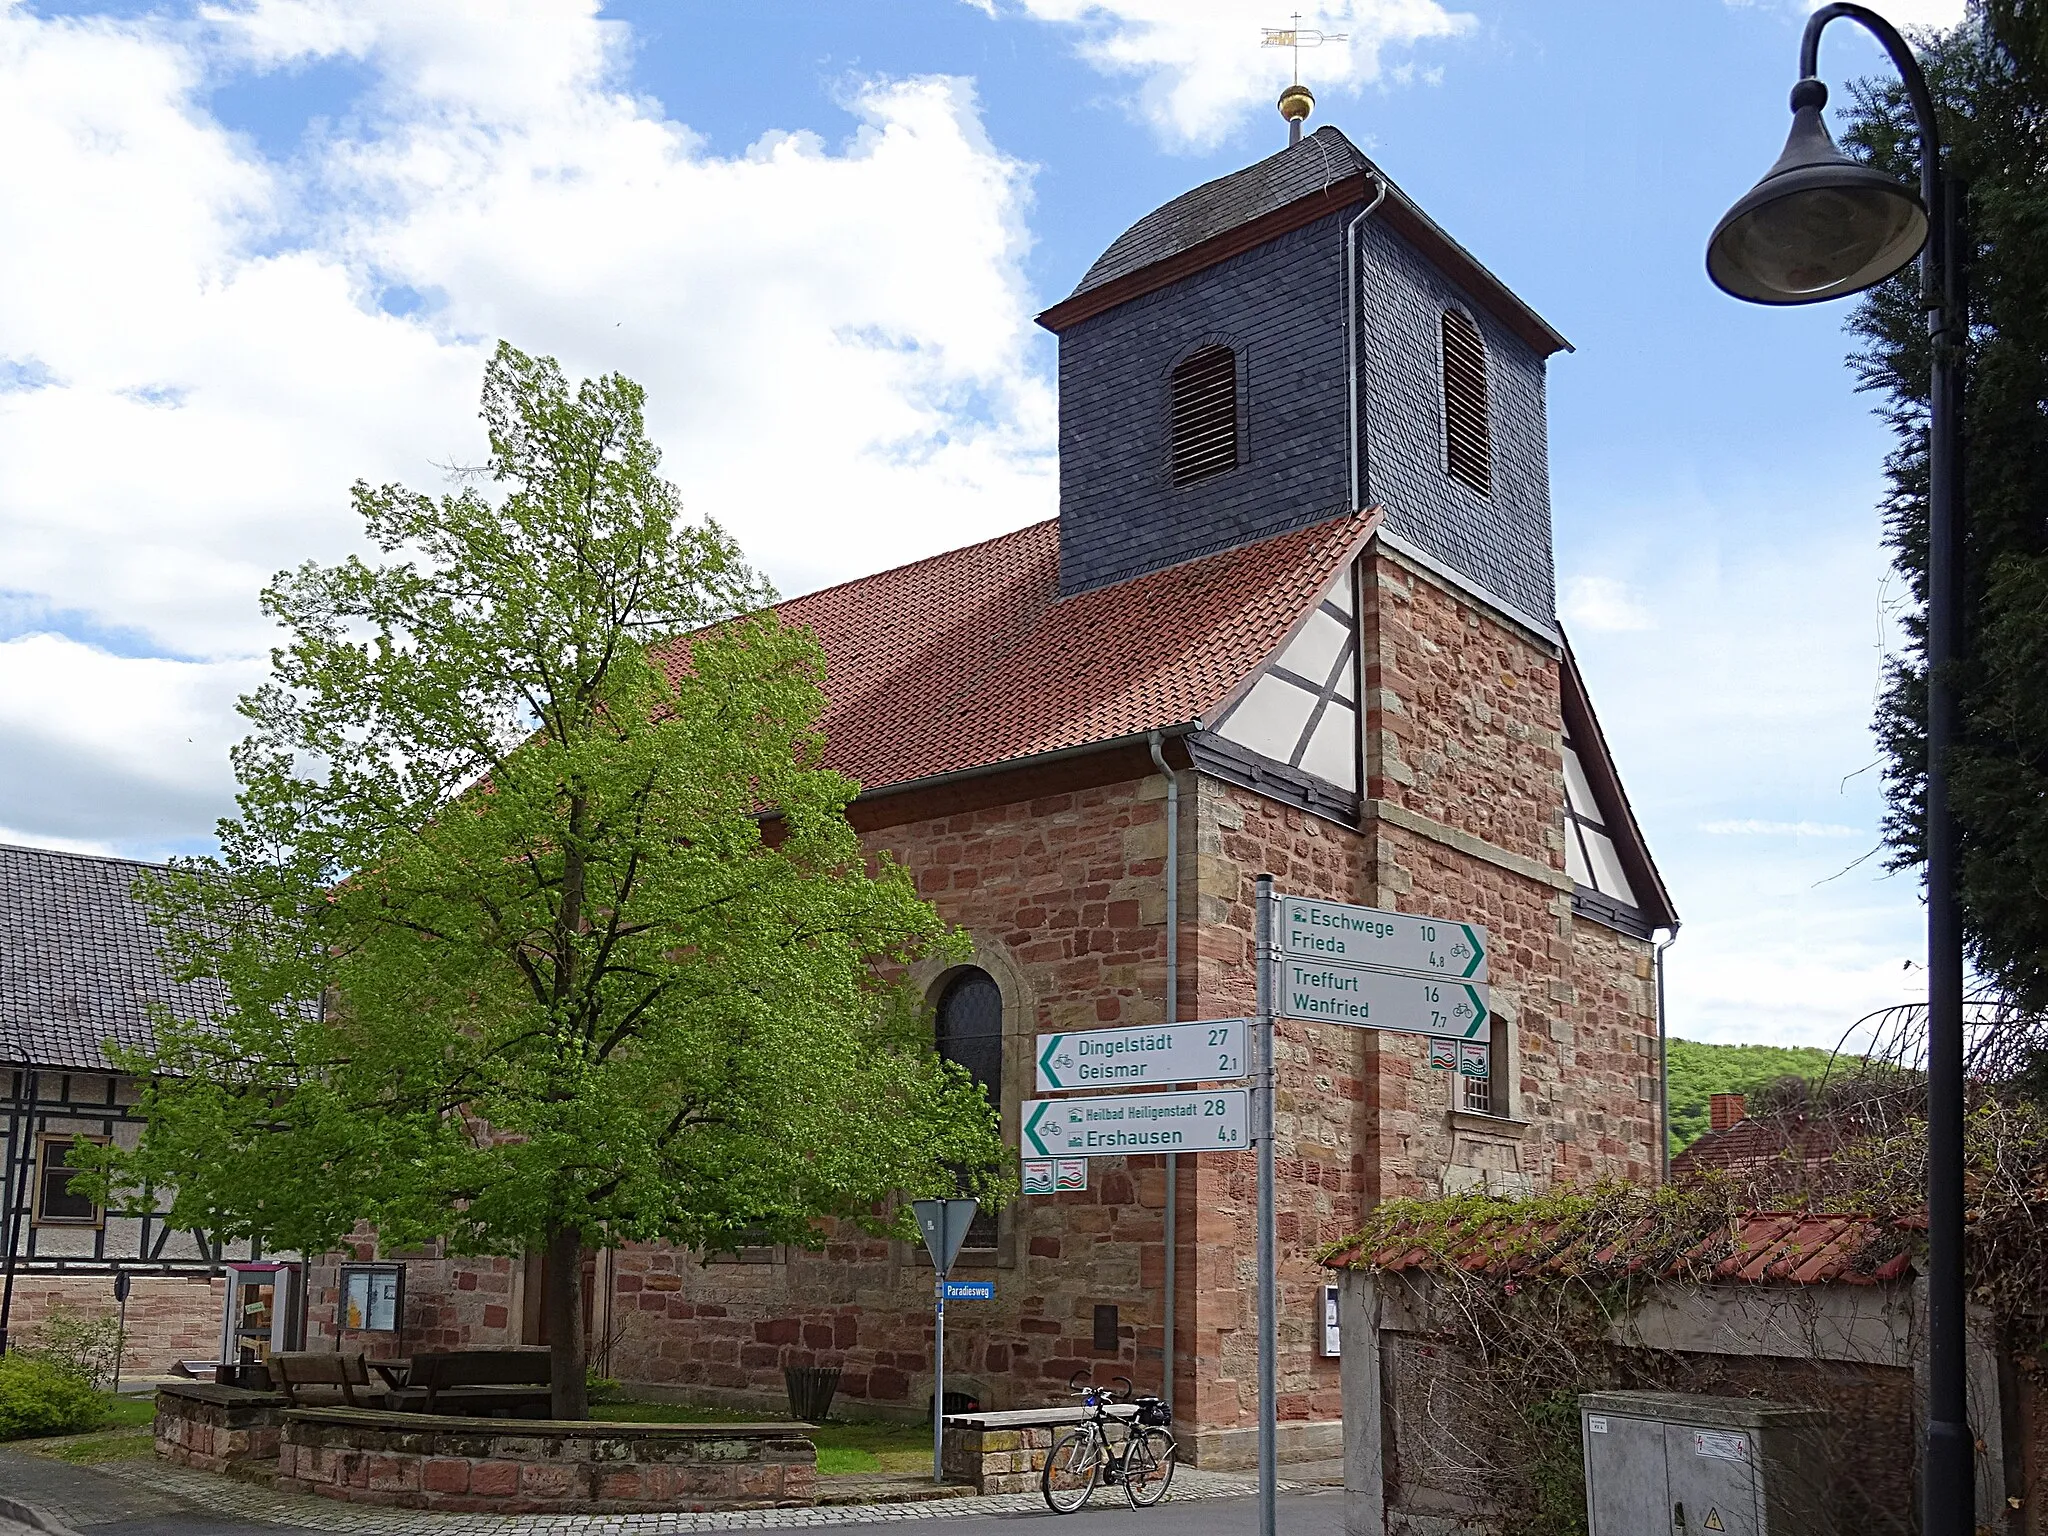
1330	348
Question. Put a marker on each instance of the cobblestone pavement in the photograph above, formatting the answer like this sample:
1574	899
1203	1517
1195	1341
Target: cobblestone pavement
77	1496
149	1492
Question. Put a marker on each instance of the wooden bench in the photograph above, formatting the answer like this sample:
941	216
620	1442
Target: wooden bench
333	1377
484	1383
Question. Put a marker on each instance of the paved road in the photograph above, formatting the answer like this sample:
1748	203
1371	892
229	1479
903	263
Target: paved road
1300	1515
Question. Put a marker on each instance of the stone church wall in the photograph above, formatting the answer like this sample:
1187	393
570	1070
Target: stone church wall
1063	894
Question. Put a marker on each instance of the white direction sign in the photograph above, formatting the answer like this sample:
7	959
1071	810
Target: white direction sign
1393	941
1349	994
1209	1050
1216	1121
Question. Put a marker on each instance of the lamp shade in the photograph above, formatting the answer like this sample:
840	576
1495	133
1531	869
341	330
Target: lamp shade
1819	225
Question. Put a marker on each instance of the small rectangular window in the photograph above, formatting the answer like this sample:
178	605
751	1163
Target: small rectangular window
57	1203
1106	1330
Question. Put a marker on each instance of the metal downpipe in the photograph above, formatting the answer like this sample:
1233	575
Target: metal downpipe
1156	742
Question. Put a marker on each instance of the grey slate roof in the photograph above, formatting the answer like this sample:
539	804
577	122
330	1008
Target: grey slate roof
79	961
1216	207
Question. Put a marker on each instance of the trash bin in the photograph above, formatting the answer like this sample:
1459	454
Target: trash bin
811	1389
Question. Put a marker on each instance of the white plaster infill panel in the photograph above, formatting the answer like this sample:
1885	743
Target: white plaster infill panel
1301	706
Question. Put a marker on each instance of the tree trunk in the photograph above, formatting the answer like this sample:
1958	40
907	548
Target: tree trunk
562	1300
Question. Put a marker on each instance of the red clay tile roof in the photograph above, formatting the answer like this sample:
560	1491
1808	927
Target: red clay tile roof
1750	1145
1761	1247
972	658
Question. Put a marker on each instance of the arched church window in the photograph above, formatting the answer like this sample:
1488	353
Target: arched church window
1468	429
1202	414
970	1035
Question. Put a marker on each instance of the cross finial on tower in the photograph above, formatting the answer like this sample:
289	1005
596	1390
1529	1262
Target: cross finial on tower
1297	100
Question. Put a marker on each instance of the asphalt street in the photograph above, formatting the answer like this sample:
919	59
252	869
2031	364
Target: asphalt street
1317	1514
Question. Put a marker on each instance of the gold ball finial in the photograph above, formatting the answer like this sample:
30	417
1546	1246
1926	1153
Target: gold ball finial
1296	102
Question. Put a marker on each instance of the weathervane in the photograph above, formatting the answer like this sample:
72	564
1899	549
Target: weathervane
1297	100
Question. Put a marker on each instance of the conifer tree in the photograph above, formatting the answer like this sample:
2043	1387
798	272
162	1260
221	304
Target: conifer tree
1990	80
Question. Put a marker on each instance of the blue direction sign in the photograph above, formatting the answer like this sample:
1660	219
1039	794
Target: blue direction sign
1388	941
1154	1056
969	1290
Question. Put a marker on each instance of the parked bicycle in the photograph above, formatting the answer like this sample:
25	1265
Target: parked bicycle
1143	1463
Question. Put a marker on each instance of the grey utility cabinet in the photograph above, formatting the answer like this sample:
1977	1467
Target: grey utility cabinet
1670	1464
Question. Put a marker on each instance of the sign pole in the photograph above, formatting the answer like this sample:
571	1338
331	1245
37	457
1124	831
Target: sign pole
1262	1128
943	1224
939	1379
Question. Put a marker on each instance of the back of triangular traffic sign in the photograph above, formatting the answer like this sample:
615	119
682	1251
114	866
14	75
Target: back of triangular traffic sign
944	1225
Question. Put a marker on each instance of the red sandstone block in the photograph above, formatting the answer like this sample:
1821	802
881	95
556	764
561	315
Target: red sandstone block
495	1316
466	1280
544	1480
626	1483
445	1474
493	1478
392	1473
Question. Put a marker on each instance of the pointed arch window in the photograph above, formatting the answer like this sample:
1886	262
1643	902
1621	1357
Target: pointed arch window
1468	424
1202	414
970	1035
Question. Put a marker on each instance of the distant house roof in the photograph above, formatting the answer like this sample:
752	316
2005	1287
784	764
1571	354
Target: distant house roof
1263	201
971	658
1752	1144
79	962
1760	1247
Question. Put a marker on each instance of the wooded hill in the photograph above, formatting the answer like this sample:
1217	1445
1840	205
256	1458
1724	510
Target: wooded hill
1698	1071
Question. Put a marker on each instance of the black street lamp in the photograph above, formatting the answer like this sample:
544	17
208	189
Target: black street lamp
1819	226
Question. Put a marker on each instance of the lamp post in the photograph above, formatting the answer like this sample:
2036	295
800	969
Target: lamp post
1819	226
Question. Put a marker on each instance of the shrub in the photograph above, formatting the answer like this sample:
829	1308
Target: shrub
85	1345
39	1397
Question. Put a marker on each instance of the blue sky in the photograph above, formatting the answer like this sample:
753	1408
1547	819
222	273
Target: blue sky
262	244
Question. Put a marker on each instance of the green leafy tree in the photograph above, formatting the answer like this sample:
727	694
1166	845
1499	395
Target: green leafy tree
540	925
1990	80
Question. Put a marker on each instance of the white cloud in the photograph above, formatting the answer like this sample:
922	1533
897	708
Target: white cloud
835	337
1754	828
1199	65
111	751
1602	604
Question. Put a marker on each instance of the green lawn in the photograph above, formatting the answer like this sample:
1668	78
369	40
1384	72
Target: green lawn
124	1445
845	1447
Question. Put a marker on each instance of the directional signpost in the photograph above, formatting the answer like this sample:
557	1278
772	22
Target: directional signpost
1387	941
1336	963
1349	994
1217	1120
943	1225
1158	1056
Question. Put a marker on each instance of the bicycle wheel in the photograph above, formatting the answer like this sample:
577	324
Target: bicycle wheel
1149	1456
1070	1471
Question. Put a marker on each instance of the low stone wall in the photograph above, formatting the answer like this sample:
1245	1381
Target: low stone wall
216	1428
434	1461
1005	1452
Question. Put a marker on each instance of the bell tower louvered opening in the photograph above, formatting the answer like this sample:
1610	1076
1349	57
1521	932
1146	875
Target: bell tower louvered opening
1468	433
1203	414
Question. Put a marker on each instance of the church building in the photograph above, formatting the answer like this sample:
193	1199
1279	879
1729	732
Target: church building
1296	616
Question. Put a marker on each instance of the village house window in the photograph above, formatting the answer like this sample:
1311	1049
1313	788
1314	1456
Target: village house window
970	1035
57	1203
1202	414
1468	427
